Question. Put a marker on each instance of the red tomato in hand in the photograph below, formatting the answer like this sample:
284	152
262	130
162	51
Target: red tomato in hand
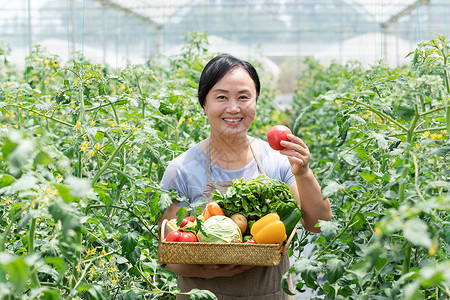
186	220
252	241
276	134
180	236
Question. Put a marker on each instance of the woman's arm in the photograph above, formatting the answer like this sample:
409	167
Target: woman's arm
306	189
202	271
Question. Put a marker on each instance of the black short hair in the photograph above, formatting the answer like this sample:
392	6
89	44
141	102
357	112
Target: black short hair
217	67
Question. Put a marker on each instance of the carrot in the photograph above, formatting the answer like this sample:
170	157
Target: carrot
212	209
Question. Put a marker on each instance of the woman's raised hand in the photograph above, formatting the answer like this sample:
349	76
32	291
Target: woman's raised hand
297	153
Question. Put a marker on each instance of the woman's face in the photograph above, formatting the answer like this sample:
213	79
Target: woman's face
230	105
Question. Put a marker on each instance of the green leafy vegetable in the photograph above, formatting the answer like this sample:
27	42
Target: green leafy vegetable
220	229
256	198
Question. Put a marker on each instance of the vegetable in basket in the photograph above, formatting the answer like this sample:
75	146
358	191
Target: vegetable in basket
220	229
180	236
255	198
269	230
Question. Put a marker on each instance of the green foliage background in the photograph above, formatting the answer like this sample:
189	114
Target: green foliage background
83	149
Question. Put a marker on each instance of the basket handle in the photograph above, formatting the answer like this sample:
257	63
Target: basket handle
288	242
163	228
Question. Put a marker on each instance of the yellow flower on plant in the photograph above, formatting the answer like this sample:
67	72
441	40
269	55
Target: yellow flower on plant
190	120
378	230
79	268
77	125
92	271
85	144
92	123
436	136
97	146
91	152
7	200
432	250
101	263
113	281
103	252
338	103
426	133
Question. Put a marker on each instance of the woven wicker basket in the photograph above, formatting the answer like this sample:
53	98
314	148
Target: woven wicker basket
217	253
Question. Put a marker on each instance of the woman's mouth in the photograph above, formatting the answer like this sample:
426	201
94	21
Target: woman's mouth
233	121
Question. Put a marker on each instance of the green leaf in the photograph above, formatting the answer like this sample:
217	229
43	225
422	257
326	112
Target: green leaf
134	256
285	283
5	180
329	229
16	268
335	269
368	176
65	213
196	294
331	188
181	213
41	158
321	240
51	295
128	241
416	231
164	202
381	141
99	136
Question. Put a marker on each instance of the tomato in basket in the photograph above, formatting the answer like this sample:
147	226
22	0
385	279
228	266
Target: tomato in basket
180	236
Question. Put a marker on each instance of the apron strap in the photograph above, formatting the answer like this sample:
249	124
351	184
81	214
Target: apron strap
208	159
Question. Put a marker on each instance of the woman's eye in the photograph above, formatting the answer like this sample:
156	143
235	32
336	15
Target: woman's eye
221	97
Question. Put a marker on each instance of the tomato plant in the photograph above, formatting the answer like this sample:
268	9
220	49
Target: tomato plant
379	147
82	151
276	134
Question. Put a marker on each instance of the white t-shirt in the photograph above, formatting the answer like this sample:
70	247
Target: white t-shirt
187	172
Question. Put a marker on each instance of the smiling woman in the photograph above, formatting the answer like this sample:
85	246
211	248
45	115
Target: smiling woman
228	92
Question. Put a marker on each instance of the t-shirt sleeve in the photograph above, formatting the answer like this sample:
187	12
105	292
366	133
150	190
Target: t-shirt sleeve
172	180
285	170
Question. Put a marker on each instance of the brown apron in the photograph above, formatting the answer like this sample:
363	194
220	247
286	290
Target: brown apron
257	283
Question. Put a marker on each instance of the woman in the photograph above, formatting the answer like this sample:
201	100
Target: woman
228	91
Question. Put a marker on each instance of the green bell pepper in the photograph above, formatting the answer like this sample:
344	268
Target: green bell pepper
290	214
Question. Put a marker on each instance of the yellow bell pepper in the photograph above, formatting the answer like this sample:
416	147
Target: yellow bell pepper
268	230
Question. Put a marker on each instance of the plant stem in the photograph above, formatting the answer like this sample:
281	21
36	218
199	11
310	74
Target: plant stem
409	138
349	223
378	112
47	116
146	225
108	162
406	262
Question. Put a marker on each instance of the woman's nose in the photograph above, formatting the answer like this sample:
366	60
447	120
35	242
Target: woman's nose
233	106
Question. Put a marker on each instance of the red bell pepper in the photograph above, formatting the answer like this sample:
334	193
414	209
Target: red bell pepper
187	220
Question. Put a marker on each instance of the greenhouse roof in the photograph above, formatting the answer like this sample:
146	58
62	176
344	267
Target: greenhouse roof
160	12
388	11
157	12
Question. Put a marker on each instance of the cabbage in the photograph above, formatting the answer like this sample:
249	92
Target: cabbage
220	229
